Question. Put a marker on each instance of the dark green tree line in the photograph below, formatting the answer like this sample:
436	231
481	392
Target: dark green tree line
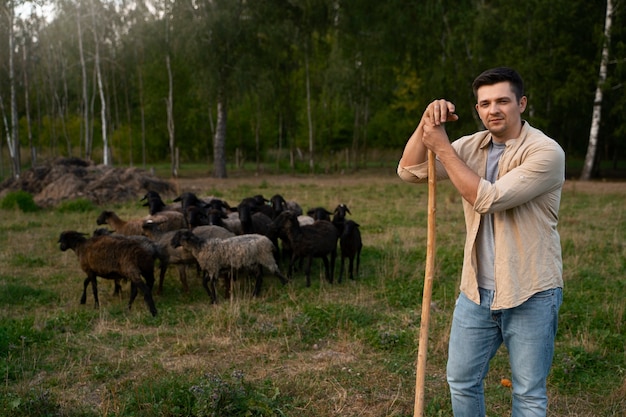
290	82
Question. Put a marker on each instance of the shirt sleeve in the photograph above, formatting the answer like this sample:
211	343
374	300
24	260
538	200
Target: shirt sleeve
419	173
536	171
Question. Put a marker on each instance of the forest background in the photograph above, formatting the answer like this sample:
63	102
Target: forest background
296	85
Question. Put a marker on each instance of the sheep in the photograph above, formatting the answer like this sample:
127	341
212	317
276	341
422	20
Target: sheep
169	220
234	253
230	221
112	258
128	227
152	247
258	223
258	203
279	204
313	241
339	217
351	245
178	256
319	213
155	204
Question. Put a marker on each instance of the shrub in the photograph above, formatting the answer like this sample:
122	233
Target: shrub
19	200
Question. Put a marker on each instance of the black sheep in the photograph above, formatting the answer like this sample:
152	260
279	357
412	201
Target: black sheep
351	244
318	240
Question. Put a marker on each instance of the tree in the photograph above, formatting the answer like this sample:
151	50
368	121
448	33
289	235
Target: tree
13	141
597	103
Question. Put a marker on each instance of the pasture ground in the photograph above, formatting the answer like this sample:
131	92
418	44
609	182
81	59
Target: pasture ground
346	349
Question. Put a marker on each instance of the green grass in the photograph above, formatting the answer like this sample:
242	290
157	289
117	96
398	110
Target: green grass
344	349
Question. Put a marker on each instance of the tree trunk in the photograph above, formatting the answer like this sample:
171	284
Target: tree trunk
597	103
308	111
170	116
85	92
29	130
219	153
14	141
103	106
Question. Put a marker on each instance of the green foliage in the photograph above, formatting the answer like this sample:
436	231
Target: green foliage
354	75
17	334
35	402
79	205
169	395
19	200
231	396
19	294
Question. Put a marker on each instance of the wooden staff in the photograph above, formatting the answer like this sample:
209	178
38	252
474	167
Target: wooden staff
428	288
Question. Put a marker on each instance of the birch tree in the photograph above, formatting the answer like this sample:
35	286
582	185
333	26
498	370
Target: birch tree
106	153
597	103
13	140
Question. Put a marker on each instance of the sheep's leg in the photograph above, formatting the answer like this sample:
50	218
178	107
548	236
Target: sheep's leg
210	289
213	290
133	294
147	295
290	269
182	274
83	298
333	258
307	271
94	286
162	271
118	287
283	279
341	267
350	266
329	276
258	281
358	262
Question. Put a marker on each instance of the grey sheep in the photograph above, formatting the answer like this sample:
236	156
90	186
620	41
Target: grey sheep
248	252
178	256
111	258
229	221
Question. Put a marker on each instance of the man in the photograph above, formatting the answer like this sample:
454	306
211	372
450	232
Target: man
510	177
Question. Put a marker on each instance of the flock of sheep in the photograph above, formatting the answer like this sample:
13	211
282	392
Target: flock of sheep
217	239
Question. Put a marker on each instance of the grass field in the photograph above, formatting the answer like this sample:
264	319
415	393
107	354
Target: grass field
346	349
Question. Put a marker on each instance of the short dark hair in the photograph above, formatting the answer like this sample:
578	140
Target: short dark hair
498	75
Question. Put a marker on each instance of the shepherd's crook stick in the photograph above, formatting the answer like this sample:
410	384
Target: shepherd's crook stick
428	288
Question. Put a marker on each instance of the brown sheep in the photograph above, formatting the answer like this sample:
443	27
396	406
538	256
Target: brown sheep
111	258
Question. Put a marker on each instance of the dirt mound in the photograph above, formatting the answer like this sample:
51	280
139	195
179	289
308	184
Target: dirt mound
73	178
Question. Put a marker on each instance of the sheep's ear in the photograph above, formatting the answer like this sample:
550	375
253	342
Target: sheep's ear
347	209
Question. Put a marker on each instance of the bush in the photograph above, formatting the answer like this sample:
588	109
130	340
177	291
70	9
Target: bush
19	200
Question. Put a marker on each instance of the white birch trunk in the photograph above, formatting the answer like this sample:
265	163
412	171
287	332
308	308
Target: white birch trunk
14	140
103	107
597	102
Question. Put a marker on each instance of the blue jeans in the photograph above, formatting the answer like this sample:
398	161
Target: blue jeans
528	332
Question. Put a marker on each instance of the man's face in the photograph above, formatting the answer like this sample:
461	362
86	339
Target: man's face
500	111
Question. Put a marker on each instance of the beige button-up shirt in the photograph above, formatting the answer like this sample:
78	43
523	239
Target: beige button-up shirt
524	201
